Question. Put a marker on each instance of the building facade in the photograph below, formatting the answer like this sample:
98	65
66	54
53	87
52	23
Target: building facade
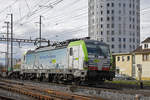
116	22
124	63
128	63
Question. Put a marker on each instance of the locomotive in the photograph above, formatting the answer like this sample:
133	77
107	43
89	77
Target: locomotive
80	60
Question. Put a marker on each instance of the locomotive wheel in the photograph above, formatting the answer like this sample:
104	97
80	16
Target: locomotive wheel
60	79
55	80
78	81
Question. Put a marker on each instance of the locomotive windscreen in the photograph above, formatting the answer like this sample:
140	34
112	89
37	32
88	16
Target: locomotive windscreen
97	48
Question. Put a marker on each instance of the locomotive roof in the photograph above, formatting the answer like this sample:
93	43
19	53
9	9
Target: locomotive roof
96	42
64	44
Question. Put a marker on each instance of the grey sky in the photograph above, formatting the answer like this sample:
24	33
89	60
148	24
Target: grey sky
145	19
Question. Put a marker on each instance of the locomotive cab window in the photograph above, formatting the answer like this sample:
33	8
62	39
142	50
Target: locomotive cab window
71	51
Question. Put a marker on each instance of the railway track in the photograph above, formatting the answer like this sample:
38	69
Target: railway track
71	91
37	92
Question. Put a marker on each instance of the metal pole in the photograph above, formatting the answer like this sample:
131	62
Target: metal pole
7	52
11	42
40	29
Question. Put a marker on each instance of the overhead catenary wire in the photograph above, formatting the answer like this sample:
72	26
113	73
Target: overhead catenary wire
29	14
3	10
27	5
61	20
58	1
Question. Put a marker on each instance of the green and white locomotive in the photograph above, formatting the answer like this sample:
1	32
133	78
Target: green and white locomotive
77	61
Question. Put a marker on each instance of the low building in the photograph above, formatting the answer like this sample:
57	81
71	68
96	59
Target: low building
142	57
134	62
124	63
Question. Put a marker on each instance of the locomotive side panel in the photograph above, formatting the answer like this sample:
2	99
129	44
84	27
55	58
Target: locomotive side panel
49	59
53	59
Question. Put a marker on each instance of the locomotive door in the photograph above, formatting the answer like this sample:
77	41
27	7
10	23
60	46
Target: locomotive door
74	57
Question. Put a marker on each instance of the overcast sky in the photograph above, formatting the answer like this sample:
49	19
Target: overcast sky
145	19
61	19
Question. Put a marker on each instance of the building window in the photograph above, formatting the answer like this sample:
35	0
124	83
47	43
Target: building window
101	32
118	59
119	18
128	58
130	19
108	25
112	25
107	4
112	12
112	18
133	40
101	12
130	5
112	4
133	27
107	39
112	32
101	19
108	12
112	46
124	39
130	46
145	46
130	12
108	18
130	40
119	11
119	39
119	31
119	4
145	57
119	46
108	32
112	39
124	46
130	26
124	5
133	46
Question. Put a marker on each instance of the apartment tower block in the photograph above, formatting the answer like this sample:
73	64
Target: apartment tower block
116	22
